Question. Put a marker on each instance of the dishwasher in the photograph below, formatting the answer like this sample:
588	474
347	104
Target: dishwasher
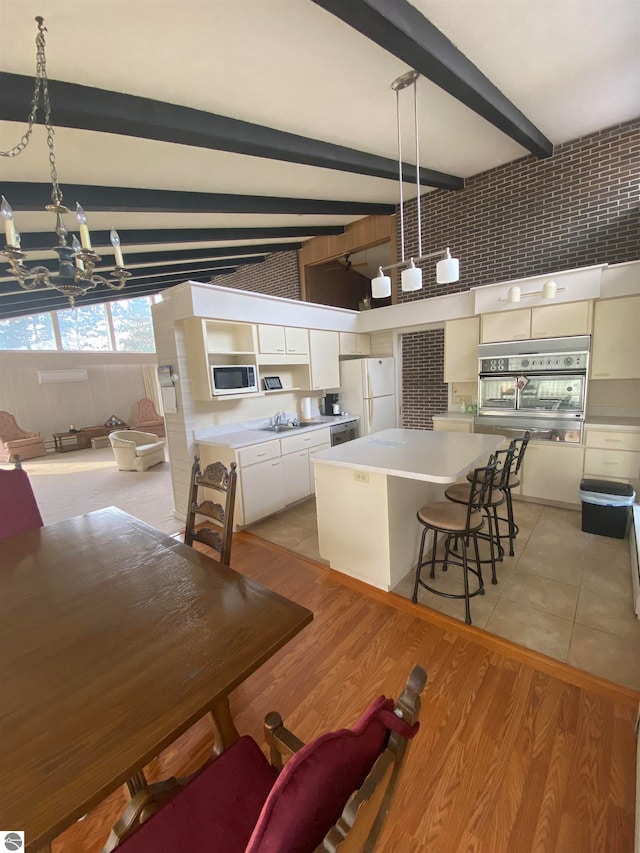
340	433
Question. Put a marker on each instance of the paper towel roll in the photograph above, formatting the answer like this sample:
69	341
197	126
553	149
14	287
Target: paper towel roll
306	408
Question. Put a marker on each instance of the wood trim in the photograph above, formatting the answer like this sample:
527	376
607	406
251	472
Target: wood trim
541	663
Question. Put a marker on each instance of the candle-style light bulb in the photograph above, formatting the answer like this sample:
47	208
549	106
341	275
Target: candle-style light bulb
117	251
75	244
81	216
9	226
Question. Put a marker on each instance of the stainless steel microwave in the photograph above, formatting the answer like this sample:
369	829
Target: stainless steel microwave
233	379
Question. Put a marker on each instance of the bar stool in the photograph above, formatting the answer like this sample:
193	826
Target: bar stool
458	522
459	493
512	483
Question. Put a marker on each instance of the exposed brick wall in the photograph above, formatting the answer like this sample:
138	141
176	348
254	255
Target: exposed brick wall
278	276
424	392
528	217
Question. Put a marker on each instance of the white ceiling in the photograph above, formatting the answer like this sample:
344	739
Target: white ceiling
571	66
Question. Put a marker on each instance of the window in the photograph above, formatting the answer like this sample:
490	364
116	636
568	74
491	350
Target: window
84	328
132	327
28	333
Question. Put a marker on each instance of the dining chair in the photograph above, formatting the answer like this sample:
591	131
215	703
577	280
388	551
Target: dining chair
19	510
223	481
330	794
459	522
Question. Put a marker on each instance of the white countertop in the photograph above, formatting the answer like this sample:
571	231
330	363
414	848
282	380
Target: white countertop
454	416
241	435
612	422
435	457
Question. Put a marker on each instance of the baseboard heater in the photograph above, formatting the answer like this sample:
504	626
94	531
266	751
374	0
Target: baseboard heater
48	377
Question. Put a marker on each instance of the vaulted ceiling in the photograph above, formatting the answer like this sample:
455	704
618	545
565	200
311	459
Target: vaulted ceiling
212	134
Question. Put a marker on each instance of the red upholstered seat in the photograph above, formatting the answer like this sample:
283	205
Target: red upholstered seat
239	804
216	811
18	507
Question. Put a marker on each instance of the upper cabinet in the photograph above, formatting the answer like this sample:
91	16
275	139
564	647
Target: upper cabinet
283	340
461	338
352	343
542	321
616	326
324	350
212	342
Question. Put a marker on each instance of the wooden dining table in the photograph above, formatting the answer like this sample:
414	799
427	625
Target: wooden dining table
114	640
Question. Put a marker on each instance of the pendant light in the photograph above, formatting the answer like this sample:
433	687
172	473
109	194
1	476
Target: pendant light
381	285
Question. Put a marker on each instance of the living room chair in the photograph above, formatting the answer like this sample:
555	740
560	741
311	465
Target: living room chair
19	510
136	451
332	794
15	440
222	480
147	419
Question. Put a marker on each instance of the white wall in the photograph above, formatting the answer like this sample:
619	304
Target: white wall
114	385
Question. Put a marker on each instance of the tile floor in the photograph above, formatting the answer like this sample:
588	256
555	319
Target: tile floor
565	593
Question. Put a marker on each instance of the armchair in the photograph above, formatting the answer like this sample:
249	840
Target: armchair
147	419
136	451
15	441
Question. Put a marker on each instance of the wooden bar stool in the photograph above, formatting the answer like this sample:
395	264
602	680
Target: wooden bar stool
461	522
460	492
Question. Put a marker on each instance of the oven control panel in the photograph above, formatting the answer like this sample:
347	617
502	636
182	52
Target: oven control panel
547	362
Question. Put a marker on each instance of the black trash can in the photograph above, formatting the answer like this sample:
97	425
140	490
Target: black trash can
605	507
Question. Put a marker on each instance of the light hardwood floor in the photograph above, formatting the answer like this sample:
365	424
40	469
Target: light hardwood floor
516	752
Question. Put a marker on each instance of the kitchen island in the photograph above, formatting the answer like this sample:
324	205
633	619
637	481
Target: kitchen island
368	492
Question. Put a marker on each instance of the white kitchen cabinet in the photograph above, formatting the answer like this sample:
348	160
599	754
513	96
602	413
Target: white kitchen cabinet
506	325
212	342
542	321
295	474
552	472
312	478
352	343
562	320
324	351
262	488
612	455
283	340
451	425
616	327
461	339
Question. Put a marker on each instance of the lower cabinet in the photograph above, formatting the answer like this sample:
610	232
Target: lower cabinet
312	452
552	472
612	455
262	488
295	472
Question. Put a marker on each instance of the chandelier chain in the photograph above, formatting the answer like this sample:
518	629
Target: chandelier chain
40	91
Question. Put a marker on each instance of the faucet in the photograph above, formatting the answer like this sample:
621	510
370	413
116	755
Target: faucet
279	418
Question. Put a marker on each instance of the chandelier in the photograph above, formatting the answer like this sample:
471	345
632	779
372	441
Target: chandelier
75	275
448	268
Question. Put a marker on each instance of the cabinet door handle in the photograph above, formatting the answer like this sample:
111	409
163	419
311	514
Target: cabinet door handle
260	454
613	440
601	374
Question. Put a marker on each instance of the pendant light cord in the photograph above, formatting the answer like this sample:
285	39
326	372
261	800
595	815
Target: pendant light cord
400	176
415	118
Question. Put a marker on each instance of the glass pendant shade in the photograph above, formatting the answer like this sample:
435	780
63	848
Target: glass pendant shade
411	278
448	269
514	294
381	285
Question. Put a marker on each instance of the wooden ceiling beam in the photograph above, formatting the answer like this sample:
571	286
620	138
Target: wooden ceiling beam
402	30
89	108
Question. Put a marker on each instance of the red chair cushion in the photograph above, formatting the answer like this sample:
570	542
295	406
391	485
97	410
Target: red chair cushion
18	508
316	783
216	811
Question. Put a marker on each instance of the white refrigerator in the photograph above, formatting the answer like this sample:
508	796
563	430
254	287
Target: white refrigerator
368	389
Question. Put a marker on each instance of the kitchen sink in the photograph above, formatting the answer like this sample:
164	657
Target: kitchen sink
284	427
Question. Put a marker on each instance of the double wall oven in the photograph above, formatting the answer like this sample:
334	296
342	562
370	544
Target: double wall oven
537	385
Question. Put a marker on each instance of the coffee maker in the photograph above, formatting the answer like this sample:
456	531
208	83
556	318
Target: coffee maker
331	404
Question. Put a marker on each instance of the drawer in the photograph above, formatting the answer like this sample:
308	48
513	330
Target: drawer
621	464
304	440
608	440
258	453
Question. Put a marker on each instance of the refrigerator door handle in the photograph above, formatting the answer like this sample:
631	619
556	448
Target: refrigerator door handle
370	412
